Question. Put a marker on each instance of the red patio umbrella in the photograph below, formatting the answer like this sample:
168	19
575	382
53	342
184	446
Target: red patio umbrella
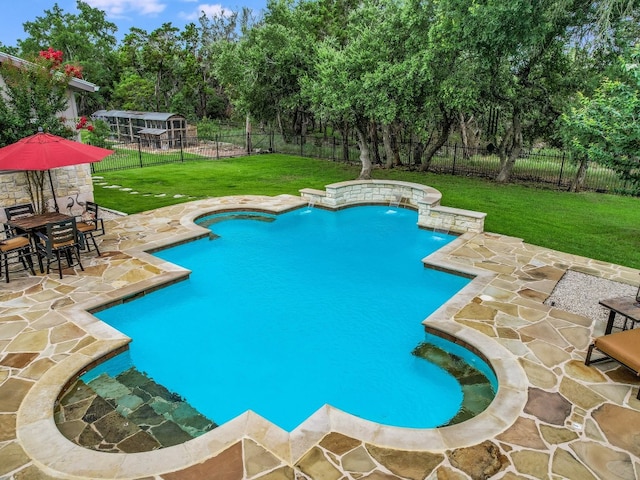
44	151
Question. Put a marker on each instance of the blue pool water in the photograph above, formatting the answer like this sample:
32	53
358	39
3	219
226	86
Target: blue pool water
283	316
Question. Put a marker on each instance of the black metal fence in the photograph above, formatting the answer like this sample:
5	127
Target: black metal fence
541	167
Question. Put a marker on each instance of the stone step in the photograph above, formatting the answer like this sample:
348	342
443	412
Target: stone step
127	413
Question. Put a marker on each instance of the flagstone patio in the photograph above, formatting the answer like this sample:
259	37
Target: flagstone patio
553	417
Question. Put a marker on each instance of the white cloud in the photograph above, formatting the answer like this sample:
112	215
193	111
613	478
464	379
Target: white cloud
118	8
209	11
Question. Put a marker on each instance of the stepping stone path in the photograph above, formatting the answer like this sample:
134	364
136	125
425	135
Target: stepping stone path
99	181
127	413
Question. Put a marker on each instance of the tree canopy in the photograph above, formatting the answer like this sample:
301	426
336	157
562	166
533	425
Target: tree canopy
425	70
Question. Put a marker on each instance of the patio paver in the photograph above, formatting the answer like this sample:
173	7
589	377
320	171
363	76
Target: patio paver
557	418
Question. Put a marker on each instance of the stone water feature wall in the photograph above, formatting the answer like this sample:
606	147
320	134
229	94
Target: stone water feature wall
73	187
426	200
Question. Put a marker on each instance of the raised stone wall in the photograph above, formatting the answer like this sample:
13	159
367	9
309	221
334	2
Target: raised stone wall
447	219
396	193
73	187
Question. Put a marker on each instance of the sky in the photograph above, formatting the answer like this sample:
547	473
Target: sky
145	14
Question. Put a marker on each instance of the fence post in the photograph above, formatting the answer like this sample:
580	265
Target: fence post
181	153
140	152
561	170
217	151
333	148
301	146
455	152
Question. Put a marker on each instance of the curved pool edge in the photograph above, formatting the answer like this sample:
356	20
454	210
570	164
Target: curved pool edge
43	442
52	452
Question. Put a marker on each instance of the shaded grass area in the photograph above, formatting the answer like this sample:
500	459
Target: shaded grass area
599	226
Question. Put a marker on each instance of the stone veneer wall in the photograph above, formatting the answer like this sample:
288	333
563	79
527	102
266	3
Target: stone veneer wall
67	182
391	192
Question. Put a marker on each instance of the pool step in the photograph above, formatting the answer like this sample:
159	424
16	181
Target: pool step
127	413
477	391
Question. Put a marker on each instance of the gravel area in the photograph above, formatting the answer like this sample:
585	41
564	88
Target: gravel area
580	293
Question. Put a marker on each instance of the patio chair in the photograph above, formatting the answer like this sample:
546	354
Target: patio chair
89	226
621	347
15	249
18	211
60	239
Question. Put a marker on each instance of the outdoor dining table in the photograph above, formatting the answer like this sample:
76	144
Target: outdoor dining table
628	307
33	223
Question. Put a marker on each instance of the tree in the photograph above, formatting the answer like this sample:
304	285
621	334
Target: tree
261	72
34	95
523	60
604	127
86	38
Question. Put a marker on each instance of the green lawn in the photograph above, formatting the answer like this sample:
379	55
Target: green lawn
604	227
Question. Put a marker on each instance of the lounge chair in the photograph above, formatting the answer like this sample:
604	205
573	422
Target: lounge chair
623	347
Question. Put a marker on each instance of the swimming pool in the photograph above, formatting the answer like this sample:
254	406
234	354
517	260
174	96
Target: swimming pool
283	315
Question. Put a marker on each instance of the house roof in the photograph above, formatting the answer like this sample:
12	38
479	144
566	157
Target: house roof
74	83
153	131
162	116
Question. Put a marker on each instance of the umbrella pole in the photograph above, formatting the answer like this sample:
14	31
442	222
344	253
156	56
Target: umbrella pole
53	192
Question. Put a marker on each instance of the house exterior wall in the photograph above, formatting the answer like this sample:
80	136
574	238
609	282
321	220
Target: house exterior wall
70	183
73	187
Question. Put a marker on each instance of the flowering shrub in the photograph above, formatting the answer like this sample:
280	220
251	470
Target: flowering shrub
96	134
54	59
82	123
54	56
73	71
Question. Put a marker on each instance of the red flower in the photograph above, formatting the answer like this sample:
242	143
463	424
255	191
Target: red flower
90	128
73	71
55	56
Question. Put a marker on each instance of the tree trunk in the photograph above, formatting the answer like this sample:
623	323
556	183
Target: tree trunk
441	137
365	160
35	187
577	184
248	130
464	135
395	145
470	135
510	148
373	128
388	150
418	150
345	141
279	120
304	121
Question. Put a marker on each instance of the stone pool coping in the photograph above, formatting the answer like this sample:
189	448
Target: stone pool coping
43	442
48	451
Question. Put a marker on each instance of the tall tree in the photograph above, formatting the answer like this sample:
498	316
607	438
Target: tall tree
524	62
34	96
261	71
86	38
604	127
